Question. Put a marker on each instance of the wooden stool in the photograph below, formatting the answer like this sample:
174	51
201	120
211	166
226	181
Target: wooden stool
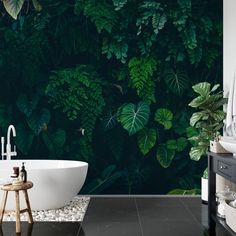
23	187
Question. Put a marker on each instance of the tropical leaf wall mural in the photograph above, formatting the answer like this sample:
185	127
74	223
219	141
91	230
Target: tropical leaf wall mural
109	82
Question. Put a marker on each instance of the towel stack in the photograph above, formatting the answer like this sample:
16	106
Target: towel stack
230	123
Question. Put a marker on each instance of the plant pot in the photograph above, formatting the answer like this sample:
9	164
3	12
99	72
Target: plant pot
216	147
204	188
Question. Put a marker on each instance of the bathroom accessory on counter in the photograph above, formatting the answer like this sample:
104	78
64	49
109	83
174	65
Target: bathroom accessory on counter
17	181
222	197
15	172
8	152
229	144
233	203
23	173
230	215
230	121
23	187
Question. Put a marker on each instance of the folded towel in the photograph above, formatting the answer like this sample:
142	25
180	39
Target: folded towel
231	110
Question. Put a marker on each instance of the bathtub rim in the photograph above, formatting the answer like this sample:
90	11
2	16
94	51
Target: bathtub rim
80	164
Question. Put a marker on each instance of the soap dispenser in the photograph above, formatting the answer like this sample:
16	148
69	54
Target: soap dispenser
23	173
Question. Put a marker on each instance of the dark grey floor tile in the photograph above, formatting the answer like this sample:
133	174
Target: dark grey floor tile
191	201
42	229
158	202
129	228
200	213
111	217
111	209
172	228
165	214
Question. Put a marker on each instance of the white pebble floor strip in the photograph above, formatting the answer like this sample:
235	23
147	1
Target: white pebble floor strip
72	212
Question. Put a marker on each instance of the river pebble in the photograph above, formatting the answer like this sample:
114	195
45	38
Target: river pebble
72	212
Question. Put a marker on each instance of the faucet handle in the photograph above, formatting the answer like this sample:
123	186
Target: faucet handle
14	152
2	151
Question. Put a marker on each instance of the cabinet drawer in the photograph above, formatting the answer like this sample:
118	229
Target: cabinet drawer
225	168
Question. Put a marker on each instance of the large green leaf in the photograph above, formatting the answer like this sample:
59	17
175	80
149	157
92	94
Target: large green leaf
109	121
24	138
198	101
215	87
38	120
146	140
203	89
165	155
218	115
176	81
196	116
37	5
134	117
182	142
171	144
197	152
27	105
13	7
164	117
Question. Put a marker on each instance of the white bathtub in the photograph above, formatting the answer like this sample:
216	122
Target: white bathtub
55	182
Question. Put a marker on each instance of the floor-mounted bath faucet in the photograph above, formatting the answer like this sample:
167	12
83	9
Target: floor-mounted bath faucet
8	152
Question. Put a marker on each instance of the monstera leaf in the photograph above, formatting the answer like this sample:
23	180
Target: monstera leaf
176	81
134	117
146	140
24	139
27	105
164	117
39	120
165	155
13	7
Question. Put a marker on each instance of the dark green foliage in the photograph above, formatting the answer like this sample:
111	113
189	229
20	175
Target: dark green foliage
109	82
78	93
146	140
141	72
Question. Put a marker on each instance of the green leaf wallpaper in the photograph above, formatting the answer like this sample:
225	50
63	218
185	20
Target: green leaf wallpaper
110	83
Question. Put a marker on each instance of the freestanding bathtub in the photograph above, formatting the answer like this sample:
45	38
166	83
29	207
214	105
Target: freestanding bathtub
55	182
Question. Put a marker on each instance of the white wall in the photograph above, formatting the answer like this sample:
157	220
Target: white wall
229	43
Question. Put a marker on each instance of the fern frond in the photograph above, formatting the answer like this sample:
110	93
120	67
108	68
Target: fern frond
141	72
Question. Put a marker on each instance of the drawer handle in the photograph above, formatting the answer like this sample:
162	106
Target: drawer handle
223	167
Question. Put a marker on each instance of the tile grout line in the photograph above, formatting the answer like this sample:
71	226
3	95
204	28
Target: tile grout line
195	219
80	225
139	218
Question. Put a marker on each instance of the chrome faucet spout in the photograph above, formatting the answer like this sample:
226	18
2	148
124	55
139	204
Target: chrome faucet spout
9	152
10	128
